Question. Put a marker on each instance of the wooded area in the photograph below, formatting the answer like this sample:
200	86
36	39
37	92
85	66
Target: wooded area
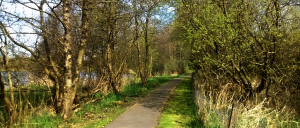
251	47
107	38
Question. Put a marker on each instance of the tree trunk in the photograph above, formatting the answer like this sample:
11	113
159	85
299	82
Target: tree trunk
11	88
147	45
12	115
136	37
58	90
9	105
112	70
6	63
69	87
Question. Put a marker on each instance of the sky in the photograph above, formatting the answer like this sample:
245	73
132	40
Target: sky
18	26
15	26
165	15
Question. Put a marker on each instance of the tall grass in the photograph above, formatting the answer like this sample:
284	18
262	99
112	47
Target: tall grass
27	101
260	116
218	111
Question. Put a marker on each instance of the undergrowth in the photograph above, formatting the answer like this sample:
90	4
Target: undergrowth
216	111
96	114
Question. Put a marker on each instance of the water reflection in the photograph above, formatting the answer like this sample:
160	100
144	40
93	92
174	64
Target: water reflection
18	78
21	78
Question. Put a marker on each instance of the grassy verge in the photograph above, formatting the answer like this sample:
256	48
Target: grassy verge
100	113
181	110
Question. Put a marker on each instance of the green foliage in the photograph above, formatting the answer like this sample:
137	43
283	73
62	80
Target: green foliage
187	69
213	120
98	95
240	42
249	44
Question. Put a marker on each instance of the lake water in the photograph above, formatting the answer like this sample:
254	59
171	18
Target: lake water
21	77
18	78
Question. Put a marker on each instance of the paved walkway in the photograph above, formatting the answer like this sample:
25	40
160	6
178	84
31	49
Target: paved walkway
146	113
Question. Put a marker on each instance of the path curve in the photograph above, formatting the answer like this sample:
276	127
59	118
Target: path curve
146	113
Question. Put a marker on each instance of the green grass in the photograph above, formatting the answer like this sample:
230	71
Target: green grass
45	120
97	114
35	98
180	110
131	91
